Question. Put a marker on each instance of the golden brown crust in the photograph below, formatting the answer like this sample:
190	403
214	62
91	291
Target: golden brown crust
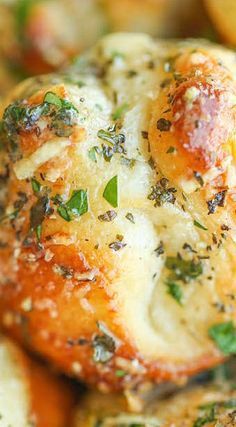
93	290
199	97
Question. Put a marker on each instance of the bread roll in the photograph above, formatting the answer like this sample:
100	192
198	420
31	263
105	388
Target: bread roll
200	405
118	212
29	394
44	35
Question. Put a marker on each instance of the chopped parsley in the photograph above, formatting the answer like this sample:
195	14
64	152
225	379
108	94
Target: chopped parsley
114	143
199	225
209	411
207	416
92	153
224	335
175	291
120	373
21	117
161	193
103	345
130	217
171	150
160	249
118	244
38	212
163	125
110	193
108	216
36	186
217	201
183	270
119	112
76	206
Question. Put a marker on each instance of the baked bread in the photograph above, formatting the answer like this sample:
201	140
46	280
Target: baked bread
223	15
211	405
29	394
43	35
118	215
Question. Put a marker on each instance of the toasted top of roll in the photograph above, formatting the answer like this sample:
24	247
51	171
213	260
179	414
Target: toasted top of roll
118	211
29	395
210	405
41	35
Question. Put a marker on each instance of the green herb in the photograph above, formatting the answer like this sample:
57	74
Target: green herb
130	217
116	54
110	193
211	410
108	216
52	98
120	111
36	186
38	232
160	249
161	193
151	162
39	211
144	134
20	117
114	143
104	348
224	335
175	291
92	153
63	212
184	270
218	200
171	150
116	246
208	417
163	125
120	373
197	224
76	206
199	178
110	136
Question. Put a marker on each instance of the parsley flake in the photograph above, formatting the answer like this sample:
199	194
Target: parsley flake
224	335
76	206
161	193
163	125
184	270
118	114
175	291
110	193
199	225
